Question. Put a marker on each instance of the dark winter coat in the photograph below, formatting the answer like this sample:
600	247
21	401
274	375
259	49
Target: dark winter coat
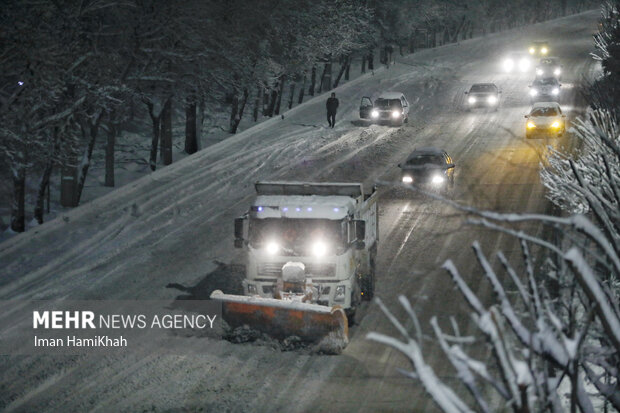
332	105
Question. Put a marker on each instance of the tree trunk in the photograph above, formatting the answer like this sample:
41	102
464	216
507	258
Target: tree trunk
273	97
266	97
18	215
371	60
301	91
326	77
291	95
340	72
312	81
257	103
244	100
93	130
191	141
44	185
346	70
200	119
166	132
109	155
280	93
155	120
364	58
234	112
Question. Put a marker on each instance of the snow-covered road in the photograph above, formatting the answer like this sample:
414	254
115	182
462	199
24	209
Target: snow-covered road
171	225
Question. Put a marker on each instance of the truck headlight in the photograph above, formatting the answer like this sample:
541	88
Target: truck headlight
407	179
437	179
252	289
396	114
340	293
531	125
319	249
533	92
272	248
374	113
492	100
557	72
555	91
471	100
544	50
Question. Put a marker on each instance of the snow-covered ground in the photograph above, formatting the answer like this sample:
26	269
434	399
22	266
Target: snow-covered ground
171	225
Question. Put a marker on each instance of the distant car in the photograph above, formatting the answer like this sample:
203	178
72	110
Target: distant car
430	167
390	107
545	119
517	62
545	90
483	94
549	67
539	48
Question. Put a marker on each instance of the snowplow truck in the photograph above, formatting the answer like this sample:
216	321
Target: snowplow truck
310	252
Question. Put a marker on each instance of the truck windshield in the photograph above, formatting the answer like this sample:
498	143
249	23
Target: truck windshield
295	236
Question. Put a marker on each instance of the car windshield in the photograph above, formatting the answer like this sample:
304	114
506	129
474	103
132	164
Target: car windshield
293	235
418	160
388	103
550	111
483	89
550	81
547	62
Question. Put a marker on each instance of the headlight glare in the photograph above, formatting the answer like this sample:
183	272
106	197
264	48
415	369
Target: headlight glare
319	248
544	50
471	100
540	72
407	179
532	50
555	91
492	99
557	72
555	124
531	125
437	179
533	92
396	114
272	248
374	113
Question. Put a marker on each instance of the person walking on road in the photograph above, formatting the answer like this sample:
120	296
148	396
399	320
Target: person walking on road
332	107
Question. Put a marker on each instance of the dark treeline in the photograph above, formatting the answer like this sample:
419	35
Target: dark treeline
74	73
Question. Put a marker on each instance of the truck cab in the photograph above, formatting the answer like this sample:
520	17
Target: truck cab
310	242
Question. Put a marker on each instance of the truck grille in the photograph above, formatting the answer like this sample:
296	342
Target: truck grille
274	269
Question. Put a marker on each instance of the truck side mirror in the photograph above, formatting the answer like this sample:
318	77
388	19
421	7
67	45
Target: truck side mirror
239	224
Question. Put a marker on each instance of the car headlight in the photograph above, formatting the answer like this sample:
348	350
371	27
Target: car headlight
508	65
396	114
437	179
340	293
374	113
252	289
540	72
532	50
471	100
544	50
533	92
319	249
555	124
531	125
492	99
407	179
555	91
557	72
272	248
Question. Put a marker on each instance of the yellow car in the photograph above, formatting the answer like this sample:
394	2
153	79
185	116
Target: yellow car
545	119
540	49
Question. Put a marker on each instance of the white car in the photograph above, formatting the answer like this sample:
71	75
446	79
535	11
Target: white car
390	107
545	119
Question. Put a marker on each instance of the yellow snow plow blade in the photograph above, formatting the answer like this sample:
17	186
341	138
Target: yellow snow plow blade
326	326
